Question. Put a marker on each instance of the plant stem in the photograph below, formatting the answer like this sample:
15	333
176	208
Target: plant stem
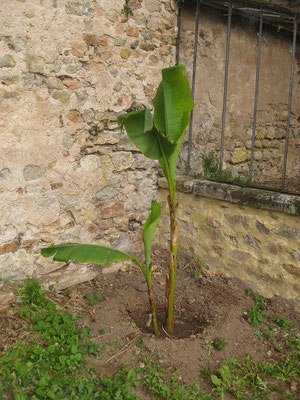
152	304
171	278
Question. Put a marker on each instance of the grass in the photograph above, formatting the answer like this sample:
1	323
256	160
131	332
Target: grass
210	167
52	362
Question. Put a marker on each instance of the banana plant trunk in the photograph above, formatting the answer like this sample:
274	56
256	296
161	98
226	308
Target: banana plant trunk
171	277
152	307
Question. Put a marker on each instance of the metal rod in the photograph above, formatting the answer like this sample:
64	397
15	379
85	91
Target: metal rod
225	89
179	20
188	167
289	104
256	95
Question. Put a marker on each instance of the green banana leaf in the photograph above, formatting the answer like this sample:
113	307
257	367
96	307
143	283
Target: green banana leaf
173	102
159	138
149	231
93	253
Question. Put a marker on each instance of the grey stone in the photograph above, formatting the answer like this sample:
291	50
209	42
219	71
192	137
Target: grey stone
69	276
296	254
62	96
106	193
78	8
17	44
68	140
122	160
123	242
240	255
70	235
7	61
38	81
112	268
237	220
261	227
234	240
147	35
35	64
118	41
33	172
153	5
56	66
134	44
54	83
288	232
113	71
28	81
140	201
139	19
82	97
4	173
88	115
141	162
73	68
252	241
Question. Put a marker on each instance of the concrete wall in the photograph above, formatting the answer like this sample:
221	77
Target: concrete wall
67	173
273	96
255	242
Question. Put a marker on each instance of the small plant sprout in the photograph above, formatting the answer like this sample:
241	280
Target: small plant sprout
158	137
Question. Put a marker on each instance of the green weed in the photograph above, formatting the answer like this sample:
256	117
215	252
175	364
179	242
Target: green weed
219	344
256	314
52	364
93	298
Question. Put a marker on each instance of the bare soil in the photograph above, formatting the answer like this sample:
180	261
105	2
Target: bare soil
208	307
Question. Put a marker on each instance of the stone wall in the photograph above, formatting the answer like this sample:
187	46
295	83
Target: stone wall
255	242
67	173
271	121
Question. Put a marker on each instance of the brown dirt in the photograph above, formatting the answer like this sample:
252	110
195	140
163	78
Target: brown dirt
208	307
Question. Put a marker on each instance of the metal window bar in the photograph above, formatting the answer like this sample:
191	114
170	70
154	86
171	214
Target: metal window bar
225	89
289	104
188	168
265	15
256	95
179	19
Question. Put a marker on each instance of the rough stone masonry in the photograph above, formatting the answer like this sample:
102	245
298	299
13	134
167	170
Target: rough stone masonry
67	172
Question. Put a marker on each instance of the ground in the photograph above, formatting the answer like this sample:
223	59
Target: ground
214	322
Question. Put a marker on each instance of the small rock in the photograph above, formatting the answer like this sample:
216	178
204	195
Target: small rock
7	61
153	5
111	269
35	64
33	172
106	193
125	54
69	276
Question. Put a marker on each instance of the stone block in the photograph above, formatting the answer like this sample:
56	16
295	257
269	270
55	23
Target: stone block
153	5
239	156
122	160
252	241
113	210
106	193
69	276
35	64
7	61
9	247
33	172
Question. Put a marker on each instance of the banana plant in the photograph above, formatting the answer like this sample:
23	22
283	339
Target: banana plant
159	137
102	255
